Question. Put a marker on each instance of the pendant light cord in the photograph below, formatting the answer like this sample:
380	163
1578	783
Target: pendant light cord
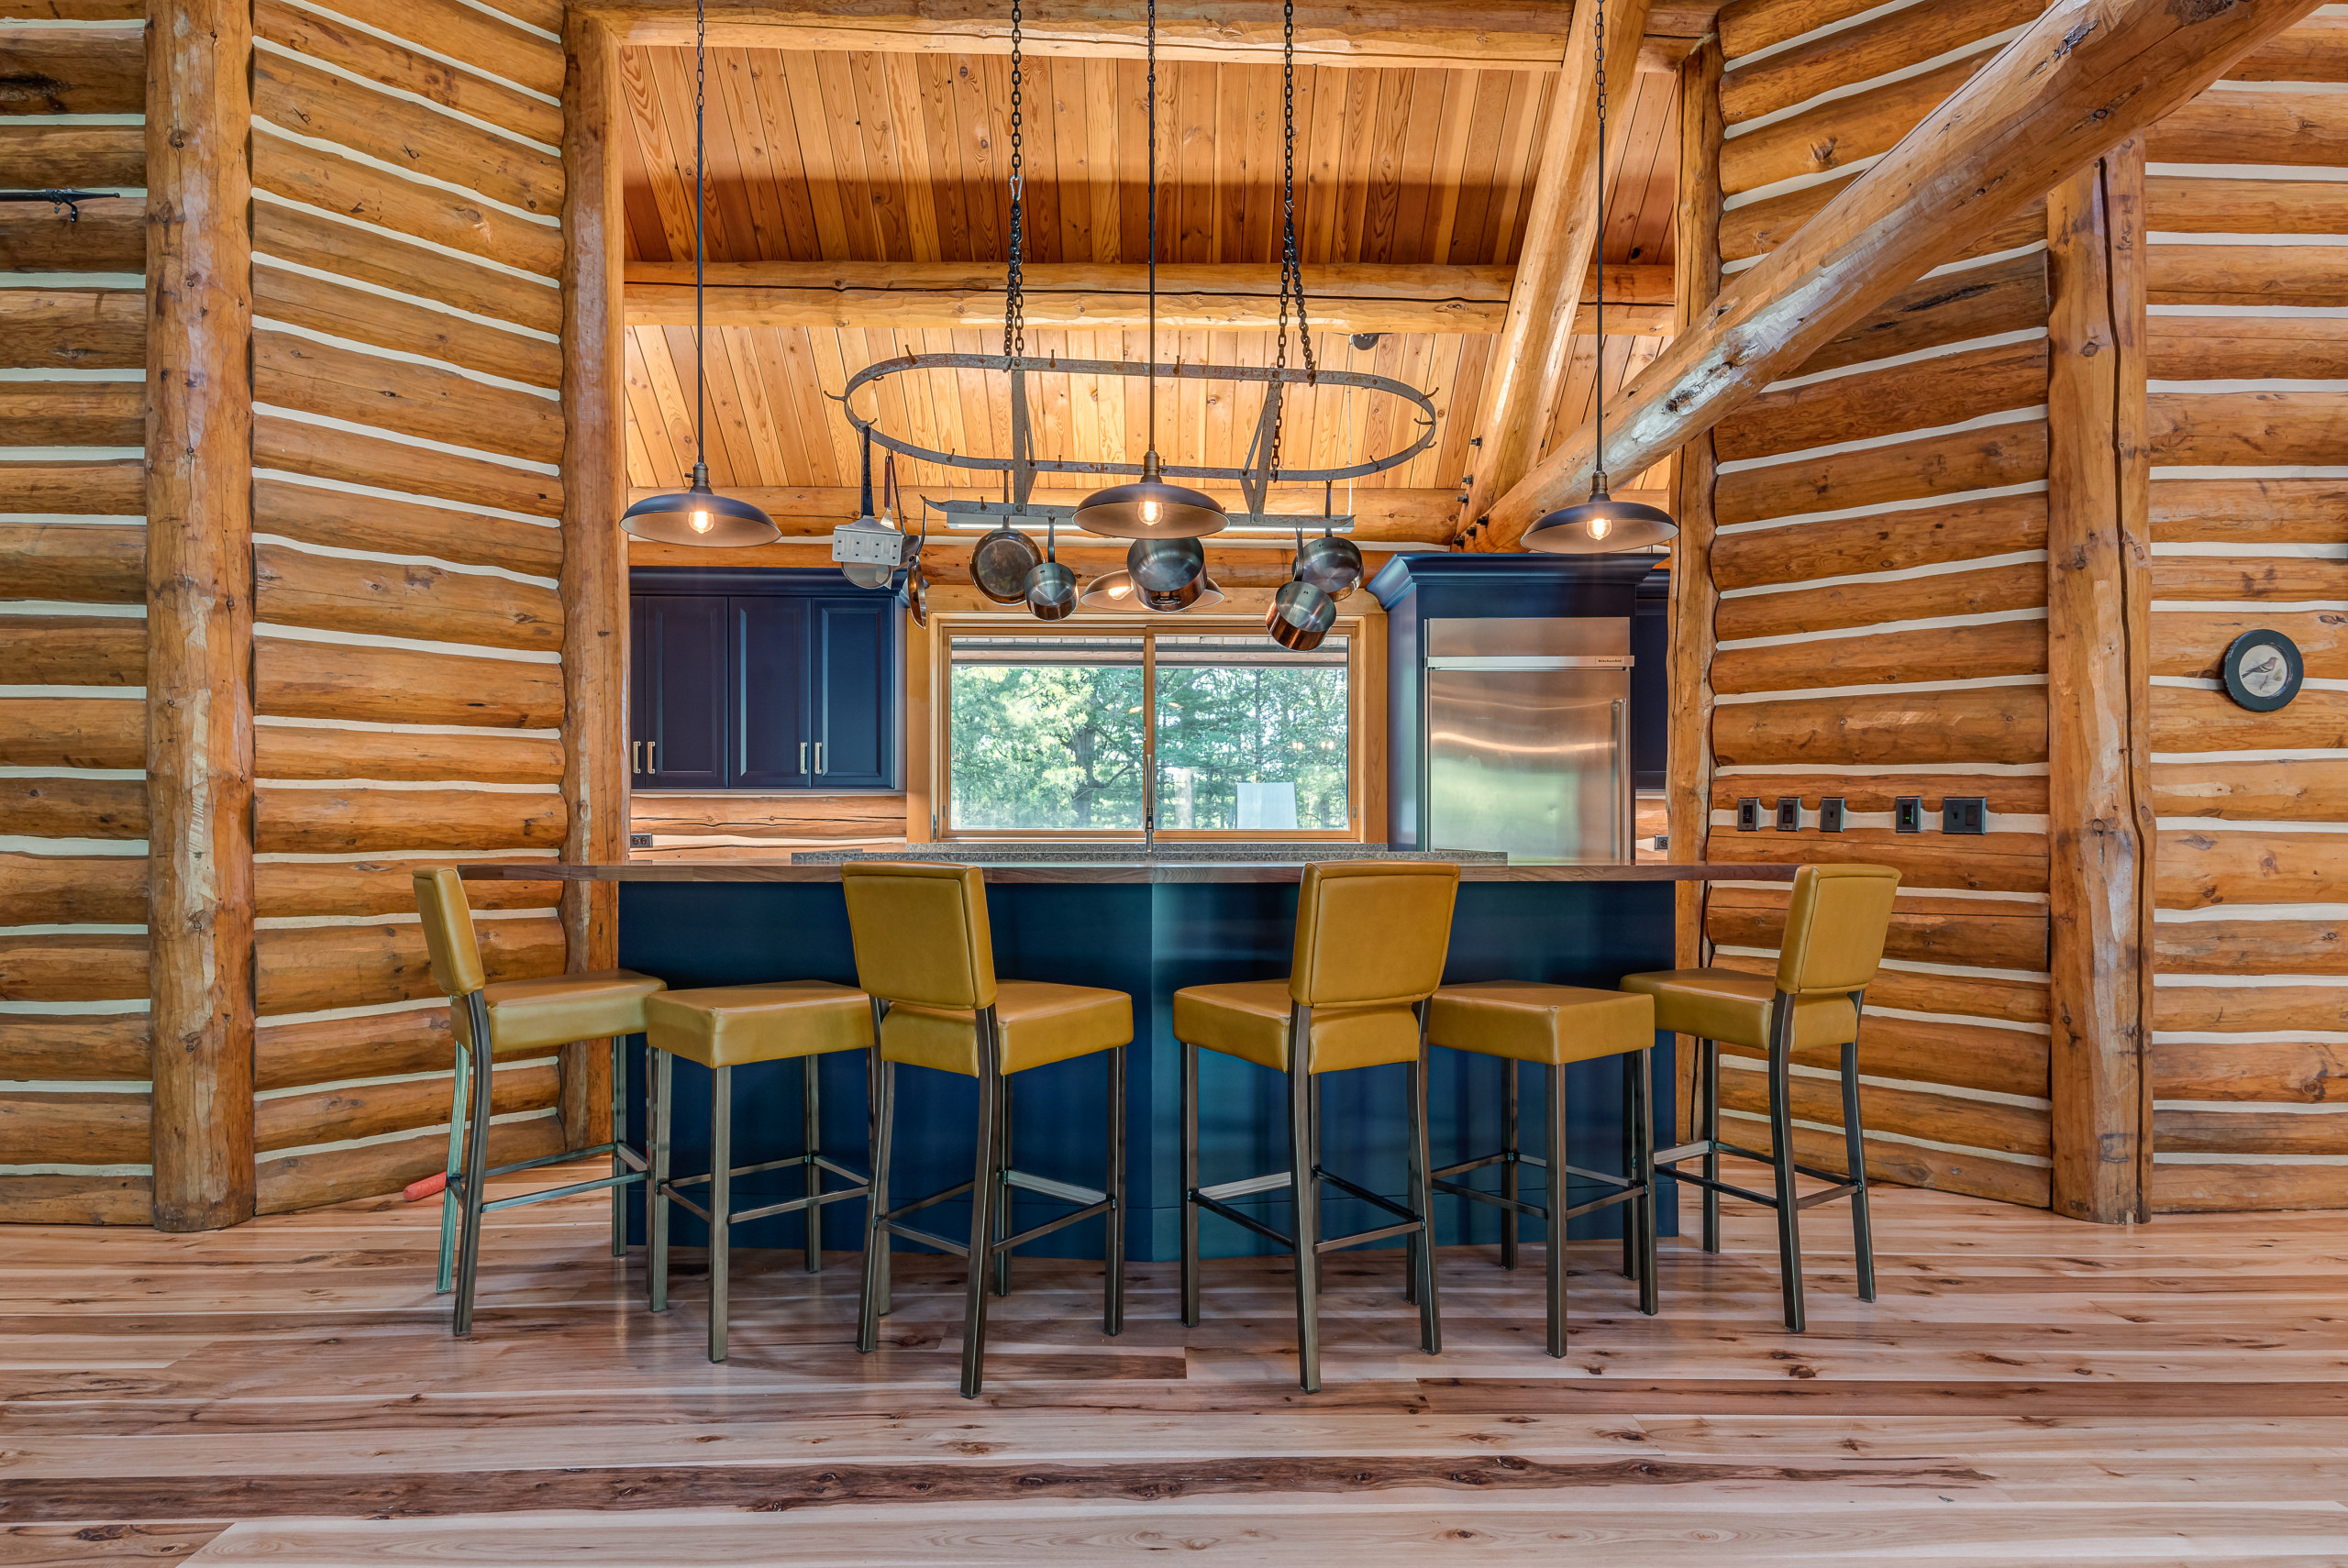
700	202
1598	247
1151	80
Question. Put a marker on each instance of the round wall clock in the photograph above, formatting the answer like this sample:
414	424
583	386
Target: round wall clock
2262	670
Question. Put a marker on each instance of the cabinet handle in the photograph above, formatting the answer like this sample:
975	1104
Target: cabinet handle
803	758
635	756
819	757
650	766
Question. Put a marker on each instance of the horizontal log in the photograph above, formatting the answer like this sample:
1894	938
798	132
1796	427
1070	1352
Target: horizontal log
72	329
116	487
73	413
2234	347
72	732
82	563
1985	995
1969	932
96	1048
65	890
2197	868
306	968
2287	1073
2025	794
2201	428
109	237
72	968
1867	404
1979	302
370	1111
77	1199
734	815
2185	203
322	453
2250	1009
290	1182
1851	55
377	524
2308	789
295	587
2194	642
2292	275
1894	729
2285	579
73	807
2253	125
2229	1189
39	155
416	140
1972	1176
1963	530
411	400
2251	947
284	752
367	55
291	890
2314	51
1994	862
1748	27
2186	719
349	820
2001	647
326	306
1908	1113
75	1127
1989	590
1759	228
73	70
2250	1132
332	680
287	1056
1838	134
1912	471
370	245
2258	511
481	39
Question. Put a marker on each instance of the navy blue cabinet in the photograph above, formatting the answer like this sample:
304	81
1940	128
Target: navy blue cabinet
777	682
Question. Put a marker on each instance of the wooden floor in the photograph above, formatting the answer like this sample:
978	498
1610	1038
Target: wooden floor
2027	1391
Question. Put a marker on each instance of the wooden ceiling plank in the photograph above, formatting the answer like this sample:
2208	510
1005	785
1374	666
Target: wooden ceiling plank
802	92
1530	99
1071	156
1448	157
1102	158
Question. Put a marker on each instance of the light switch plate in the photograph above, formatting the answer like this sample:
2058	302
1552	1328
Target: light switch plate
1964	814
1749	815
1908	814
1830	814
1789	813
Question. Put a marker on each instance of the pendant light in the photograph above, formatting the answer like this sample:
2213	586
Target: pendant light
1601	523
1149	508
697	514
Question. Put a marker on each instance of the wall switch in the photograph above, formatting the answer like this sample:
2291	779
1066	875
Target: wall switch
1964	814
1908	814
1830	814
1789	813
639	841
1749	815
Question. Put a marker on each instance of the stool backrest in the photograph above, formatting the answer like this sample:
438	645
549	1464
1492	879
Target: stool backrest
1372	931
448	932
921	932
1836	927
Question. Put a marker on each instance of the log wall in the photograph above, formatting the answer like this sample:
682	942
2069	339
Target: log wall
1879	561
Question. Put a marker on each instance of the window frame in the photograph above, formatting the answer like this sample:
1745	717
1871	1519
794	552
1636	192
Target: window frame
1365	794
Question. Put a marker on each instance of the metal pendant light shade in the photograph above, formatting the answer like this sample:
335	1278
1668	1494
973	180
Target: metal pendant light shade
1109	591
1600	525
1150	508
698	515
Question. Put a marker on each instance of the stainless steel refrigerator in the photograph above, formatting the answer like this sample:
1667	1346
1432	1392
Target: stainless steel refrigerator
1528	737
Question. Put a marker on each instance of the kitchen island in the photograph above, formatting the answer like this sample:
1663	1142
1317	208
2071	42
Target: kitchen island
1148	927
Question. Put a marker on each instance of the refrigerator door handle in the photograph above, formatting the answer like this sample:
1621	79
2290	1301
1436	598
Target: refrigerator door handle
1623	850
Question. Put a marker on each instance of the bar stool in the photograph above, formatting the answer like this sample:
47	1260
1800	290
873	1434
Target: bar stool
1371	937
723	1027
511	1016
925	956
1836	927
1518	1020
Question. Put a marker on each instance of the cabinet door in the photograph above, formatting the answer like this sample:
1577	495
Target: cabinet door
678	681
855	692
771	743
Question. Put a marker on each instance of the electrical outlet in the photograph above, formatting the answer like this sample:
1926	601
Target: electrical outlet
1749	815
1908	814
1830	814
1964	814
1789	813
639	841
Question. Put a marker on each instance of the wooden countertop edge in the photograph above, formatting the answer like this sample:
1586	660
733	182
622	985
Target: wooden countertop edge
1106	873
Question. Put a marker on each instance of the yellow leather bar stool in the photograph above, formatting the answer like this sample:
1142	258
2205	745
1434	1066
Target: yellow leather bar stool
503	1019
1520	1021
1371	937
925	955
1835	926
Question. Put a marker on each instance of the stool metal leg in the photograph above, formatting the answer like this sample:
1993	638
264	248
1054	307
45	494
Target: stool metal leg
1511	1182
985	1194
1422	1250
1190	1185
1854	1152
453	1183
476	1163
619	1137
874	1300
1630	1135
1113	1287
1708	1113
1641	1210
810	1140
1305	1192
1559	1203
721	1204
1003	1166
656	1224
1782	1155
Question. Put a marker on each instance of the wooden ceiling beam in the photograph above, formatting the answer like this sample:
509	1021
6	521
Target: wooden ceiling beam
2084	75
1465	34
1106	296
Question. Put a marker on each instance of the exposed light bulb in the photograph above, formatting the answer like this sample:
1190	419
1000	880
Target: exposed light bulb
701	523
1120	591
1601	527
1149	511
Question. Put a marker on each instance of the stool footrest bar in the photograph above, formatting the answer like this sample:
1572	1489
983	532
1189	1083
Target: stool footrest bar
1248	1220
1538	1212
598	1185
1608	1201
914	1233
1366	1196
1840	1189
932	1197
1049	1226
1278	1181
792	1204
1359	1238
690	1206
1065	1191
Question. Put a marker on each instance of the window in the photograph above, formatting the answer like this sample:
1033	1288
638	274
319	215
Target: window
1053	734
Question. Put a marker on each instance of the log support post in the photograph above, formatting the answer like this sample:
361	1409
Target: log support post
200	610
594	552
2099	813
